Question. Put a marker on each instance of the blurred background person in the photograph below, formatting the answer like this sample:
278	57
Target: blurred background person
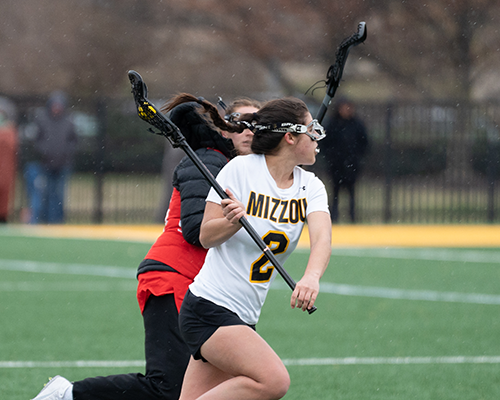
343	149
34	182
242	105
8	157
54	151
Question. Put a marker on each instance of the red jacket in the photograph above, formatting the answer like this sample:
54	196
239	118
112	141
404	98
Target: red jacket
177	256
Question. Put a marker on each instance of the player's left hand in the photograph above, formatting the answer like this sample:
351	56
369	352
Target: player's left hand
305	293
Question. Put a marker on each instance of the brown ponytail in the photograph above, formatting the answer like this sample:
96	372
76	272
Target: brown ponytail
208	108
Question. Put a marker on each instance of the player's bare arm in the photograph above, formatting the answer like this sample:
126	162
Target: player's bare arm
220	222
307	289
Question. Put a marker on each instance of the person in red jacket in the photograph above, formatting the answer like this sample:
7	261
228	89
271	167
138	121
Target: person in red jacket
168	268
8	159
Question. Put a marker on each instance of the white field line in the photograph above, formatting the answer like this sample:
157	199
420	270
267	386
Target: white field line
72	364
71	269
119	272
405	294
287	362
72	286
393	360
428	254
400	294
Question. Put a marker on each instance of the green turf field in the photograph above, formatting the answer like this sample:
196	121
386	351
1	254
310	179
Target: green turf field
391	323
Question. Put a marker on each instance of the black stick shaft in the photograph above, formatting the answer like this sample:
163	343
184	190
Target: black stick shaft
323	108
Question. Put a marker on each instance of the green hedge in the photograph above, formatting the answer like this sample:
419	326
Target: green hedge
485	158
406	159
128	147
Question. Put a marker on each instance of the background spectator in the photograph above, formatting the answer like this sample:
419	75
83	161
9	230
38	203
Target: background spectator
345	145
54	151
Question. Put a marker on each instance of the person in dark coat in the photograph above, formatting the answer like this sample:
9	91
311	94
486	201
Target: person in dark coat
345	145
55	147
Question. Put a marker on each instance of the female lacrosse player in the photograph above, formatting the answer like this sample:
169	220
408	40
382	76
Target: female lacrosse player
168	268
218	316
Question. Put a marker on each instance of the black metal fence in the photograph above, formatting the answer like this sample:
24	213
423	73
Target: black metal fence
428	163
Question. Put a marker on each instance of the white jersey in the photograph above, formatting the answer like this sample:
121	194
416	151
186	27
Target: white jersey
236	274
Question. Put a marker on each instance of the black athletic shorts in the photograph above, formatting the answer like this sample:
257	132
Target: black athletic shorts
199	318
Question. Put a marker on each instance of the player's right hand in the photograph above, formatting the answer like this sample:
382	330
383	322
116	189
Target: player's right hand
232	208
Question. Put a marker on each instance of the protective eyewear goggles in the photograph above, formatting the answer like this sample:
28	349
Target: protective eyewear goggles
313	129
232	117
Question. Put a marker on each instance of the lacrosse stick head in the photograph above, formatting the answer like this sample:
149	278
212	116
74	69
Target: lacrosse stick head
334	74
145	110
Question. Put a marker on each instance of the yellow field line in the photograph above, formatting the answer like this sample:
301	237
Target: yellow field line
418	235
342	235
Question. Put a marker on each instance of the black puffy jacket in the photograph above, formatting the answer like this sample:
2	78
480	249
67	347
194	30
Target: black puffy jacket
194	188
213	150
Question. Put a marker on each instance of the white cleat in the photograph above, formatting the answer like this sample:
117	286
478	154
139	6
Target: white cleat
56	389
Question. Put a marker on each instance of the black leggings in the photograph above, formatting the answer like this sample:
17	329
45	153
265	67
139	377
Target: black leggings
167	357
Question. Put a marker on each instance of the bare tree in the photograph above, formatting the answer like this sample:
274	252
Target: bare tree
441	49
83	47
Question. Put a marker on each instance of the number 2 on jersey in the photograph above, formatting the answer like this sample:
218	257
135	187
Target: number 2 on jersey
261	268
